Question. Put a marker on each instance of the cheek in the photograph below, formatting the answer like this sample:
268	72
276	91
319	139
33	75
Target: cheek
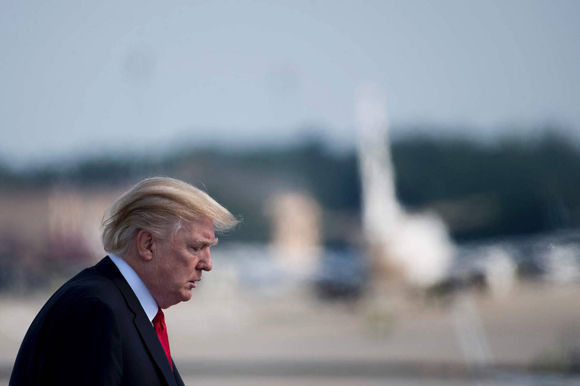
188	262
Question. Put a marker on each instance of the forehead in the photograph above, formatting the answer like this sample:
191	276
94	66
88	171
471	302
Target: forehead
197	229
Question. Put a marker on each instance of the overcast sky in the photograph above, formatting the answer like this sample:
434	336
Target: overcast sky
81	77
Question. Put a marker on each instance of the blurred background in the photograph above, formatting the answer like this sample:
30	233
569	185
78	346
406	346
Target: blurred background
406	174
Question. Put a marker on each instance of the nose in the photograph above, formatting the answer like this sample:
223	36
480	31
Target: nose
205	262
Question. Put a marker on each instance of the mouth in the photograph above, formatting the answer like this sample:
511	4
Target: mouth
192	284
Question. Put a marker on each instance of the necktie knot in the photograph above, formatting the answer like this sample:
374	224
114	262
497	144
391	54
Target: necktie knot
161	330
159	317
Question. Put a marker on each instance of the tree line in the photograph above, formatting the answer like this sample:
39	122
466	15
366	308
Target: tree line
509	187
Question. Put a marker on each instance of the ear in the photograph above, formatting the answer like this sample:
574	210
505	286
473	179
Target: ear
145	244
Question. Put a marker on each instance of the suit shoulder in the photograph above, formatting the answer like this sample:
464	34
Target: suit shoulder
81	318
88	287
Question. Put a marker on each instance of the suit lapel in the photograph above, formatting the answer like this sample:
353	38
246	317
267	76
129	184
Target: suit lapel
177	375
152	343
142	323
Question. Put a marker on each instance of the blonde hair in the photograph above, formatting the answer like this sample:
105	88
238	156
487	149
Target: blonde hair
159	205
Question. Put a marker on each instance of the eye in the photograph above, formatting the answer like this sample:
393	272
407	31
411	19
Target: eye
195	248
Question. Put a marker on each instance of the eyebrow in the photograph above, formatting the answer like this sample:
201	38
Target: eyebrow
209	243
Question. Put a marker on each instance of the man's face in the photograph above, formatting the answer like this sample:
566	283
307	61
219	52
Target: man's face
179	261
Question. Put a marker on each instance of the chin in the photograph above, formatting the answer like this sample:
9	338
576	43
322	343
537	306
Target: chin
187	296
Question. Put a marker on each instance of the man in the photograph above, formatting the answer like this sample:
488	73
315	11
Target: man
105	325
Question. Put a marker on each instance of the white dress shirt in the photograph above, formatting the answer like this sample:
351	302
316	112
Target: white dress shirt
143	295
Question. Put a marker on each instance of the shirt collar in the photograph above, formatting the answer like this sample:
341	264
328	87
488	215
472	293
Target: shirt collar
139	288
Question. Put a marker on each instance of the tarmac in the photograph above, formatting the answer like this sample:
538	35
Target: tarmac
226	336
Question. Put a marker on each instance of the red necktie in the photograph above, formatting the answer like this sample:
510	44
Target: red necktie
161	330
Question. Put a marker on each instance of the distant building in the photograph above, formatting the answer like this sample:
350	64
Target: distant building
50	228
296	231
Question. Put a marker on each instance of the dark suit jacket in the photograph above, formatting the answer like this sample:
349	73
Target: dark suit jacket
93	331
